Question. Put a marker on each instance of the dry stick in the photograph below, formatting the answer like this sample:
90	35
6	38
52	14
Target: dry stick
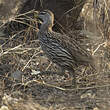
48	66
25	24
68	12
18	32
16	17
27	18
35	54
15	35
106	8
64	89
25	13
23	50
73	8
105	43
11	38
98	47
2	25
3	53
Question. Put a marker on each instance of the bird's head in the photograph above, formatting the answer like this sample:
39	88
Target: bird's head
46	17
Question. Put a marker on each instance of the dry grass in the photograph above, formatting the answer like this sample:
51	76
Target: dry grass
21	51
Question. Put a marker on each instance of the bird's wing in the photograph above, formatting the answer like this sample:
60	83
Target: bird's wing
79	54
56	51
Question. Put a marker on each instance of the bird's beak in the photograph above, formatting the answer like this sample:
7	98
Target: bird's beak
38	16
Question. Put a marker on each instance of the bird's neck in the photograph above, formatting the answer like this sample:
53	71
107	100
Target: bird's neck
46	27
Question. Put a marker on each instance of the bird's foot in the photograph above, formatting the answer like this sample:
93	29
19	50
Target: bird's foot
71	79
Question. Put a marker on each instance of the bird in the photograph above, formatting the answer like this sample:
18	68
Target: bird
59	48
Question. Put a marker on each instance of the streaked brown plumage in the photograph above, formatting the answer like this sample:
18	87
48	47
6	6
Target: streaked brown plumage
61	49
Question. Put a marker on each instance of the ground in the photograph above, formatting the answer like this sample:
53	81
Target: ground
25	84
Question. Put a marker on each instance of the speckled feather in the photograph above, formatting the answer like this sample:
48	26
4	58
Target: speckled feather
61	49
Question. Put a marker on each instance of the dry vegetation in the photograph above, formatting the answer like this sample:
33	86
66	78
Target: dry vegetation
21	61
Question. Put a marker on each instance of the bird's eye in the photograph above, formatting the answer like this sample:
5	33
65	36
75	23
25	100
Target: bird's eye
43	13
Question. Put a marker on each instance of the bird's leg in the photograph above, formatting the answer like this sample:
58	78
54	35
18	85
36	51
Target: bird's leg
74	80
70	75
48	66
67	75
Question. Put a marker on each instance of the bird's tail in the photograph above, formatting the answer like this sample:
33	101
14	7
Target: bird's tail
94	64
